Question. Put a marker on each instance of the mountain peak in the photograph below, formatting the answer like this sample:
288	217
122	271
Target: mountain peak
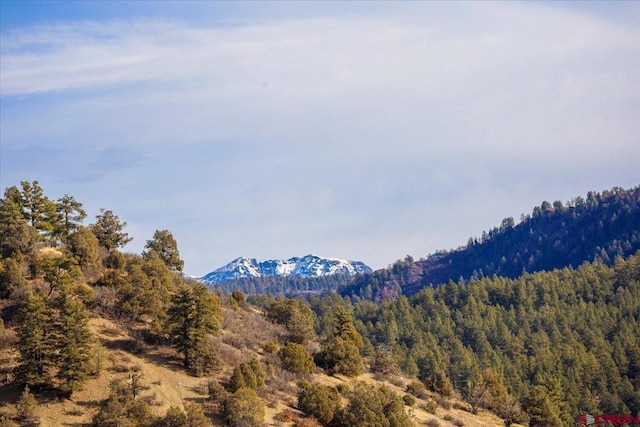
307	266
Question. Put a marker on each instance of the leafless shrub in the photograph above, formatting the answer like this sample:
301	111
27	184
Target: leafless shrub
228	354
106	299
8	338
462	406
417	389
441	401
281	380
286	415
110	330
268	395
396	380
306	422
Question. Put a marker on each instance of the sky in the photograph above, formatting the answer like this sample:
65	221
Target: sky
359	130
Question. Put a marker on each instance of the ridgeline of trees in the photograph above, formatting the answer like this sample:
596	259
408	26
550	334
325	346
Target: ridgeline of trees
288	286
556	235
601	226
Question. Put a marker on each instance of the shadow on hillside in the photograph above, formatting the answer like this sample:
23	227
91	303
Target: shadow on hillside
9	394
88	403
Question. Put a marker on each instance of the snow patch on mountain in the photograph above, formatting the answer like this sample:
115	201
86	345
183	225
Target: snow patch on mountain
307	266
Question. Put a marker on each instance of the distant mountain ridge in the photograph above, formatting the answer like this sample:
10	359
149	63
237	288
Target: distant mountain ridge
305	267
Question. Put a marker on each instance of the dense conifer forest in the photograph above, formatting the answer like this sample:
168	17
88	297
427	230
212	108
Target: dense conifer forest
533	347
559	343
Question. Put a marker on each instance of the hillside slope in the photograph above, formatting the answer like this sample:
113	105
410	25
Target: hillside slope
164	383
556	235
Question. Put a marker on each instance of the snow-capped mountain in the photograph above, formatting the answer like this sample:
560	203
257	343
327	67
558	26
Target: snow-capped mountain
307	266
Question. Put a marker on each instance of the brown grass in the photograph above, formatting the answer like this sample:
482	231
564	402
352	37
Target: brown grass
165	383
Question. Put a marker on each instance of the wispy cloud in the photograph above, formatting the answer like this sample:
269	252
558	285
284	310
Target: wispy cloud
365	136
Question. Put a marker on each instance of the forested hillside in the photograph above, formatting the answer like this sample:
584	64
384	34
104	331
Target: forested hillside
601	227
289	286
554	344
91	336
98	337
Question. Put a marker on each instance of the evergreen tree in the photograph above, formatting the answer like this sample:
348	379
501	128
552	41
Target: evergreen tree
84	246
74	342
373	407
25	407
295	358
341	352
238	298
38	209
247	375
122	408
16	236
236	382
35	341
71	215
295	315
256	368
166	247
11	276
194	314
60	271
244	409
319	401
194	417
109	230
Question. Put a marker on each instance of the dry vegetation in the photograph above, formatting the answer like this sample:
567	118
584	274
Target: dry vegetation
120	352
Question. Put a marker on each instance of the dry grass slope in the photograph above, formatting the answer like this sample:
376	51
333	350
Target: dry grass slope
164	382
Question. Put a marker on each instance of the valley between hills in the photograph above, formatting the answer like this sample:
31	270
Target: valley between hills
533	323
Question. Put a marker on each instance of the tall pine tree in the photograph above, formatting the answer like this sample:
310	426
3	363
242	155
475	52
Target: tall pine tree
35	341
194	314
74	342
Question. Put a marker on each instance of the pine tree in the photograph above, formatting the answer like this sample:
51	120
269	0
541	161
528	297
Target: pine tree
85	248
341	353
244	409
166	247
35	341
11	276
38	209
295	358
74	343
25	407
16	236
319	401
109	230
194	314
71	216
236	382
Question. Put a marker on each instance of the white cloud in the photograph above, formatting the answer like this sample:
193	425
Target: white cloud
346	136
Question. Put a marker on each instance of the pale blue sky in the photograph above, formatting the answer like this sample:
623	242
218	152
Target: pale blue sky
359	130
